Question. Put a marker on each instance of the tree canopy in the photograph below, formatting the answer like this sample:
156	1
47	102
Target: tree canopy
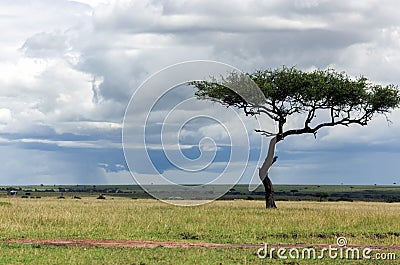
289	91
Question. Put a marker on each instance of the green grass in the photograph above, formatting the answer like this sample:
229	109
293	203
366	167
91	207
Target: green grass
243	222
43	255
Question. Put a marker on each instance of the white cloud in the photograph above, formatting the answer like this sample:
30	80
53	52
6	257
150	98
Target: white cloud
70	67
5	115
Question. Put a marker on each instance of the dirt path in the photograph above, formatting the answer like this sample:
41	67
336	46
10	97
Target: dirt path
172	244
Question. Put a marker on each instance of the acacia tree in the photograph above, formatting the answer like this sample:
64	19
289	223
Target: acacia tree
325	98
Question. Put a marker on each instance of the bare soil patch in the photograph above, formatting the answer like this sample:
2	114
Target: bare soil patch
172	244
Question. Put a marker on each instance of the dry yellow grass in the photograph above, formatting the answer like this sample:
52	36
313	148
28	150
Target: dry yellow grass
220	222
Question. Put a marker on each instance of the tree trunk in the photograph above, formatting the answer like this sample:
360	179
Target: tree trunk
269	193
263	173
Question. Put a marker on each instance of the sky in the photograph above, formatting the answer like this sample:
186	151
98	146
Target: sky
69	68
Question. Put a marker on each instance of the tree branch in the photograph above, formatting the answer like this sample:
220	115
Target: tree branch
266	133
345	122
310	116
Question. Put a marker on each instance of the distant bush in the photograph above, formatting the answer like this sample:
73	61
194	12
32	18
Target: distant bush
392	199
77	197
282	199
344	199
61	197
101	197
189	235
24	197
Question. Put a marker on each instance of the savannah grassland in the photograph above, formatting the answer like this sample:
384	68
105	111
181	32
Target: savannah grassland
242	222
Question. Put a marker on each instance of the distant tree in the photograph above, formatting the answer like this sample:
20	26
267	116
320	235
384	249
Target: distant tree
290	94
321	195
293	192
